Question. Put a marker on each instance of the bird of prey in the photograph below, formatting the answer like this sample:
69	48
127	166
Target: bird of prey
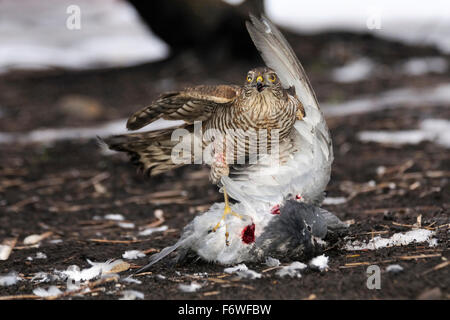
234	112
278	98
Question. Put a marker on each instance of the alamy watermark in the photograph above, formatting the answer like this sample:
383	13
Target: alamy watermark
73	21
231	146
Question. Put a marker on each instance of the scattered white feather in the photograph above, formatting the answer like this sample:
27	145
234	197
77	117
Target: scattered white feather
52	291
9	279
391	99
98	268
133	254
248	274
131	295
126	225
55	241
272	262
149	231
114	217
334	200
161	277
5	251
319	262
41	255
130	279
240	267
292	270
394	268
193	287
398	239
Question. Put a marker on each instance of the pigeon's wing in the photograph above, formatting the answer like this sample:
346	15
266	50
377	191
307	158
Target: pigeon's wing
191	104
278	55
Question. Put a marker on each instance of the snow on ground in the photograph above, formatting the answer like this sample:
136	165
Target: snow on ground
403	97
398	239
356	70
51	135
434	130
34	35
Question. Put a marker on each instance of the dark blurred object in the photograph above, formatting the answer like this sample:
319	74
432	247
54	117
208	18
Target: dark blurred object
210	28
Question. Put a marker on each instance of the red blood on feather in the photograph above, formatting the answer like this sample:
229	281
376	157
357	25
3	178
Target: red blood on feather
248	234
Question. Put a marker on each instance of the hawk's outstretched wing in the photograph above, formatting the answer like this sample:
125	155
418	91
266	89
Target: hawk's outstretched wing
192	104
278	55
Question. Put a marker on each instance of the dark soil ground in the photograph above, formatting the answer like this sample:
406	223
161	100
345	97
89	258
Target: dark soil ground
61	187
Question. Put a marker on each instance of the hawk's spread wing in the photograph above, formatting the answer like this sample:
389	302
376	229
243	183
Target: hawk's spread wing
191	104
278	55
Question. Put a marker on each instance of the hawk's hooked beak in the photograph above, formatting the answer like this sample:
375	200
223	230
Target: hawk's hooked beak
260	83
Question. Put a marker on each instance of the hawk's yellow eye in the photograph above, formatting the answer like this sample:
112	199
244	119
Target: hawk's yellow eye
249	78
272	78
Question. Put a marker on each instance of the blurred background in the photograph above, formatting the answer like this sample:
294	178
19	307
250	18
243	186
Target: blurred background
71	70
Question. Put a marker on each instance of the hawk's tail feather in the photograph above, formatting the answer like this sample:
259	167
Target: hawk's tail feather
150	151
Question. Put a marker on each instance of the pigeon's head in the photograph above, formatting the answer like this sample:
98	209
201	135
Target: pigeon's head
262	79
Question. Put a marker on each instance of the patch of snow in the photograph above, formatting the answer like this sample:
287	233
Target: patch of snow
131	295
394	268
419	66
434	130
272	262
52	291
398	239
334	200
9	279
319	262
50	135
292	270
248	274
133	254
403	97
354	71
193	287
110	34
418	22
149	231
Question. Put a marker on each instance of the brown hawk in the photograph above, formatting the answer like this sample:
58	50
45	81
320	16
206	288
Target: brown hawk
261	104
